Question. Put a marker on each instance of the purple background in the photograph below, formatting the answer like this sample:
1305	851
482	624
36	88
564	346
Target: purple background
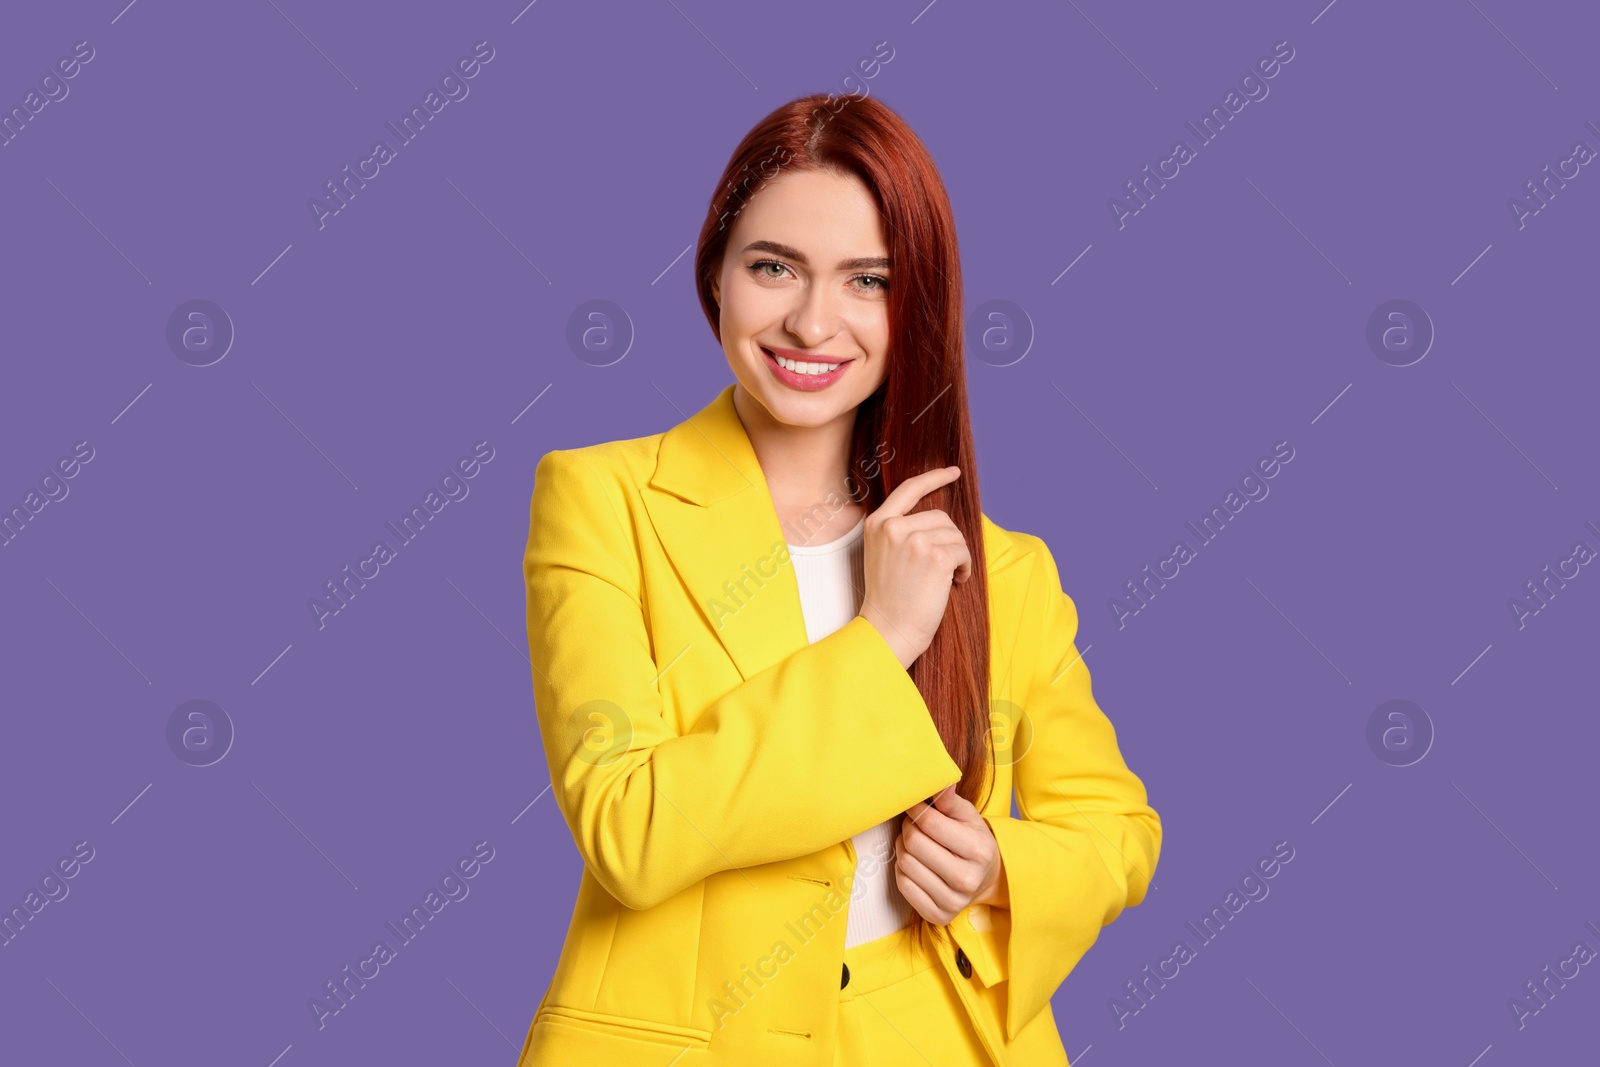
1228	315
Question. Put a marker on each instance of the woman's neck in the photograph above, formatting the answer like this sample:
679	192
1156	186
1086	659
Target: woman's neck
805	468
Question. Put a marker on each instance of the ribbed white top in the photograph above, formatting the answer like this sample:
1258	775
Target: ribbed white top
832	582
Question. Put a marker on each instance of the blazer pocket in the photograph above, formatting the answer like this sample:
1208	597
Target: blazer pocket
624	1026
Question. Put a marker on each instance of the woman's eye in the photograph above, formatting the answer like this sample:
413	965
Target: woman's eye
878	283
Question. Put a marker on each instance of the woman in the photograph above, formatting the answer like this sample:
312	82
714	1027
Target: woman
761	644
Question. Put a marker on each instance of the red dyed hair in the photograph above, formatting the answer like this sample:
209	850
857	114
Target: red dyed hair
920	410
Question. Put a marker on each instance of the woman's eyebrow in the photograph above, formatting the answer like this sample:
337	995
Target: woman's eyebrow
777	249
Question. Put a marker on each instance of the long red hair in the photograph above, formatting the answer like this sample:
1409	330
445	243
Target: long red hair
920	411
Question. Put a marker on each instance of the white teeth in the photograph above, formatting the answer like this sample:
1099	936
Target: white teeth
804	368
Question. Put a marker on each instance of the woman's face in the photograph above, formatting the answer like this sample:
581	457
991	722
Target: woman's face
805	277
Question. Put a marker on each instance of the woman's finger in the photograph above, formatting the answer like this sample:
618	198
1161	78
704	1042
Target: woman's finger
943	897
964	837
932	519
955	805
904	496
919	900
956	860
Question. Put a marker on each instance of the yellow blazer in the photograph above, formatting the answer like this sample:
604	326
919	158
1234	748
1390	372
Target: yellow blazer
712	766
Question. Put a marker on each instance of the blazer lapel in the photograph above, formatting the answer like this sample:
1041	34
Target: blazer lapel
713	512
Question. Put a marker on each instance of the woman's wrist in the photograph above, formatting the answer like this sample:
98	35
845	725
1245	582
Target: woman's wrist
998	892
892	636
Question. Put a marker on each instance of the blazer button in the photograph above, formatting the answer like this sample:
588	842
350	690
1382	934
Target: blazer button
963	964
845	978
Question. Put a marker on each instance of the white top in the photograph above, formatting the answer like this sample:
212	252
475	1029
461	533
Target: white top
832	582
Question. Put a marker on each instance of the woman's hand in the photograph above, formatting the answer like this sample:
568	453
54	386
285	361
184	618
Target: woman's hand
911	561
947	859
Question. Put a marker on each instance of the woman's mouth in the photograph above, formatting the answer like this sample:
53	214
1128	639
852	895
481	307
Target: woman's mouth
805	375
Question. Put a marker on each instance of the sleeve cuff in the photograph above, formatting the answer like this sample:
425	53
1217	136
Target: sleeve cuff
982	932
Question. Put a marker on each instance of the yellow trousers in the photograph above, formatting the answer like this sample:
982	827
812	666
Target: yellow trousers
898	1008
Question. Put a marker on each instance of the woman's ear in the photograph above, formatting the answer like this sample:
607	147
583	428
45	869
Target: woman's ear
716	278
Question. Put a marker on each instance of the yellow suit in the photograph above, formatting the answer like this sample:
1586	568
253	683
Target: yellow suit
712	767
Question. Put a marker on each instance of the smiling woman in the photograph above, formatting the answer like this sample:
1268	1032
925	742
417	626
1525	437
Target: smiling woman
775	291
786	671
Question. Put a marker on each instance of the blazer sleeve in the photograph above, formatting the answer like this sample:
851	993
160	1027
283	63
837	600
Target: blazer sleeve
792	760
1088	841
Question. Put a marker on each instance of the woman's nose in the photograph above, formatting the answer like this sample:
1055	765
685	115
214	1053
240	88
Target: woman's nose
815	318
